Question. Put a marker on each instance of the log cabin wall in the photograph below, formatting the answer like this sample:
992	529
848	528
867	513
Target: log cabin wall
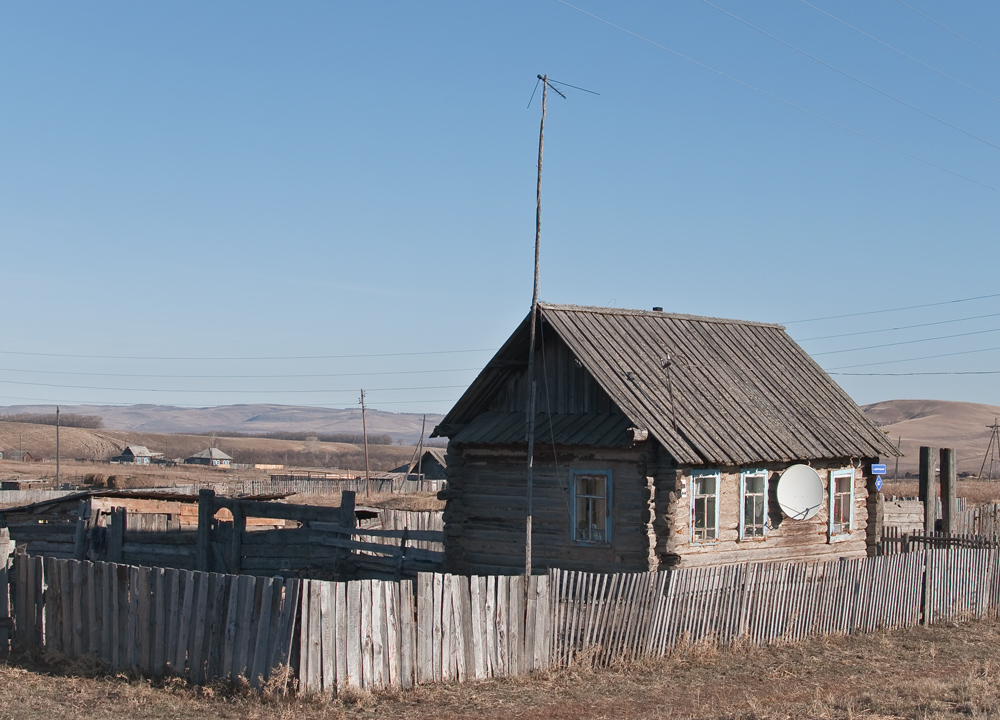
485	513
785	539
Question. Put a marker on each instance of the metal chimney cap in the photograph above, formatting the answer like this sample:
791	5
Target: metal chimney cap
657	309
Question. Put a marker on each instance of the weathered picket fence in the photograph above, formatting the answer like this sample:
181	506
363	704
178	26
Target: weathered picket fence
157	621
376	634
894	541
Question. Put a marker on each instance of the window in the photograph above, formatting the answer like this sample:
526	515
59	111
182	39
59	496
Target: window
841	501
705	506
753	512
591	507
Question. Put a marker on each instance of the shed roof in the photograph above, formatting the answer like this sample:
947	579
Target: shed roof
212	453
711	391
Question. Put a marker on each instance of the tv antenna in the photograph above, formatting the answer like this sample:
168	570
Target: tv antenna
546	83
994	443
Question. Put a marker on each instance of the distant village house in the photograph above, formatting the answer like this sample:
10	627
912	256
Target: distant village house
135	455
210	456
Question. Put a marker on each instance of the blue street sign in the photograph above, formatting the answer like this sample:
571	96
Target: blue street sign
878	469
878	482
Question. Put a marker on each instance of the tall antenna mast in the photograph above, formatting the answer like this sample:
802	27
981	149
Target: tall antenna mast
530	420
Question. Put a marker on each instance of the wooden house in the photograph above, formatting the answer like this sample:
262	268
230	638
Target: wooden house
660	440
135	455
210	456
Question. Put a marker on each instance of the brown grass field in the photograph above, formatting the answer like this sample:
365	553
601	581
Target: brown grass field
948	671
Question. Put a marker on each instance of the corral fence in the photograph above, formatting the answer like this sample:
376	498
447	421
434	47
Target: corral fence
397	483
240	535
375	633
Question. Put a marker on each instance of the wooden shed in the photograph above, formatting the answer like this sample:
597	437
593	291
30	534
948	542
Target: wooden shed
659	441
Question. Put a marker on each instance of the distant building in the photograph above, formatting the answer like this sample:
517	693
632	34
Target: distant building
432	465
210	456
135	455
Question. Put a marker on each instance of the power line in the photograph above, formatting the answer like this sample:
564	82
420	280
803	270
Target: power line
906	342
216	391
855	78
901	327
907	374
781	100
948	29
234	359
899	309
235	377
926	357
901	52
121	404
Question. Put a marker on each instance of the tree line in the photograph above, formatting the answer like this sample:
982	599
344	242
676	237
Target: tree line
91	422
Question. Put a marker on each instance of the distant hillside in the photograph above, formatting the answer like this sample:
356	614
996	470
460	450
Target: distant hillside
938	423
258	418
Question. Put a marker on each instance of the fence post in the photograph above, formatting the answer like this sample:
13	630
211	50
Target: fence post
206	511
5	619
236	541
928	487
949	479
116	538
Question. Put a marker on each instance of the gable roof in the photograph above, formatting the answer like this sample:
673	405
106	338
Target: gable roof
139	451
711	391
212	453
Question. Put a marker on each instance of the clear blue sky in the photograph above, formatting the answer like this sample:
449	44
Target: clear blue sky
247	180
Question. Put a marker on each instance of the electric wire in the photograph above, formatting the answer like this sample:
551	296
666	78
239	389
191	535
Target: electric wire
901	52
915	359
855	78
894	329
906	342
216	391
236	377
948	29
888	310
782	100
239	359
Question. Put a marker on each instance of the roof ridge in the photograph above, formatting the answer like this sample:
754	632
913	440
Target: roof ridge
597	310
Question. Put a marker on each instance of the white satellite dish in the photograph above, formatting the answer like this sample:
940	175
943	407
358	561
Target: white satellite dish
800	492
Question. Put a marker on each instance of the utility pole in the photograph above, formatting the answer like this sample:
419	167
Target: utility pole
420	450
994	442
364	432
57	444
895	473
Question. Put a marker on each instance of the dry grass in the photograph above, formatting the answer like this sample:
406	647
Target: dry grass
977	492
936	673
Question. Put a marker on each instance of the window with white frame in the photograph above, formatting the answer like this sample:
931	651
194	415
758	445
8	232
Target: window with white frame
753	510
705	506
591	508
841	501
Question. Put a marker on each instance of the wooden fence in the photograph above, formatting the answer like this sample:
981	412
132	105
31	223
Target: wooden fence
376	634
397	483
236	535
157	621
610	618
894	541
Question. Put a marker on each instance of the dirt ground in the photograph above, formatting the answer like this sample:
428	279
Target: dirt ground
949	671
